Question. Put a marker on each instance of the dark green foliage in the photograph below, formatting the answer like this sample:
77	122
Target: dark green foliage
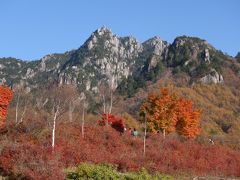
202	70
151	74
225	126
218	60
235	68
8	69
187	54
131	85
183	49
237	57
176	70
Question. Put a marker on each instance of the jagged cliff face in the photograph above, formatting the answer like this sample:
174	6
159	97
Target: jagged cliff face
194	56
105	57
109	58
186	50
28	75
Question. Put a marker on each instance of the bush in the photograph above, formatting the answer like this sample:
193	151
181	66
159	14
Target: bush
29	154
105	171
91	171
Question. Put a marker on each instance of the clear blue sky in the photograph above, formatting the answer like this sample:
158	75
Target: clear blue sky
30	29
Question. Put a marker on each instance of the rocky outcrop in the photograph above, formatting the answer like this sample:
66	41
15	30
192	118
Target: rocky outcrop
212	77
155	45
189	49
206	56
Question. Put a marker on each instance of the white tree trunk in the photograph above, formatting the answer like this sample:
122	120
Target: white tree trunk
164	133
70	115
110	106
54	126
40	103
144	140
111	101
45	102
111	87
104	104
17	108
83	118
71	110
24	110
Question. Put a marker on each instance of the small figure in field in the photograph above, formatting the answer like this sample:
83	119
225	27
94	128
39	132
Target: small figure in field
129	131
135	132
211	141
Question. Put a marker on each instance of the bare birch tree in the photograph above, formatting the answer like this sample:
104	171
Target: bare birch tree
56	113
111	89
145	134
58	99
23	113
22	101
17	104
106	90
84	106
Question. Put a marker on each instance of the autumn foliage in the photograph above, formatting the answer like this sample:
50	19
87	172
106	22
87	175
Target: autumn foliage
26	152
169	113
187	119
113	120
5	98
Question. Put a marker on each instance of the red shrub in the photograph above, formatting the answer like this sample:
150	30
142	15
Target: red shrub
115	121
6	96
24	154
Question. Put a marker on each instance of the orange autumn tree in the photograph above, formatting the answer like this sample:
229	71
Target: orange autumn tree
188	119
159	110
6	96
169	113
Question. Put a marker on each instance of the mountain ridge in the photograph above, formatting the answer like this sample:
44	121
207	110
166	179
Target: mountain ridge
104	56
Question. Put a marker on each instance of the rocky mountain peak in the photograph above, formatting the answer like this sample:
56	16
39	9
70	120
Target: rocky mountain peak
190	49
103	31
98	37
155	45
43	62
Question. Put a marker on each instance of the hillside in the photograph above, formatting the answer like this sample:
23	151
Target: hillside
61	99
220	104
27	152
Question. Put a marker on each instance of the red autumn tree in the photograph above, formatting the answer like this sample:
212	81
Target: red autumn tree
169	113
6	95
115	121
